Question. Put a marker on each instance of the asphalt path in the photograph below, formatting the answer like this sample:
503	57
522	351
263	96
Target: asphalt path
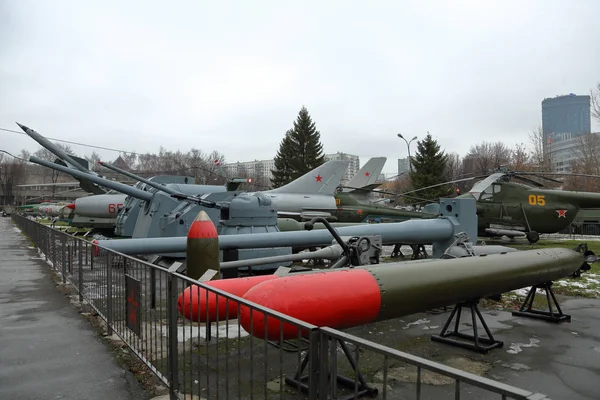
47	349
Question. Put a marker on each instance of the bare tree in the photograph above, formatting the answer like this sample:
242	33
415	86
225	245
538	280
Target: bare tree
454	167
595	97
51	175
93	159
540	150
130	159
585	161
487	156
12	173
520	158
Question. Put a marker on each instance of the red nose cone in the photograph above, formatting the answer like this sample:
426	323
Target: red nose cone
318	299
71	206
200	305
202	227
95	248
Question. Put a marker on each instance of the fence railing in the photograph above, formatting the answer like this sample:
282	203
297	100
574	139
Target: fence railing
209	354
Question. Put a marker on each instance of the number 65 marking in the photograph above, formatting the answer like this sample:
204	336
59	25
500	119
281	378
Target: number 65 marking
538	200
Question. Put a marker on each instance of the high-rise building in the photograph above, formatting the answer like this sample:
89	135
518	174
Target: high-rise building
353	167
565	116
403	166
561	153
251	169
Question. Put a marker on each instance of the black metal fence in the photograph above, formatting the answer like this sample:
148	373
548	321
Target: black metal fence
142	304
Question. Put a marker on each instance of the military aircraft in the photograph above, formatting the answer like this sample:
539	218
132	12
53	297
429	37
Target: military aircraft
509	208
351	209
504	205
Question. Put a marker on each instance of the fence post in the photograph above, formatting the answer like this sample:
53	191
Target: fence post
63	250
324	367
153	288
80	272
46	247
53	238
109	297
173	370
64	263
71	250
313	363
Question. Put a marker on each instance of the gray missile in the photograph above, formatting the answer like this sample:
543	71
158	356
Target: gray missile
408	232
54	149
100	206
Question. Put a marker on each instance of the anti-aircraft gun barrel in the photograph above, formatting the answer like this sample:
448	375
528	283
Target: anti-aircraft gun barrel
119	187
174	193
54	149
155	185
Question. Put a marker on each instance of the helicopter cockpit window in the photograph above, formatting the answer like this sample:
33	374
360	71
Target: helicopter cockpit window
486	195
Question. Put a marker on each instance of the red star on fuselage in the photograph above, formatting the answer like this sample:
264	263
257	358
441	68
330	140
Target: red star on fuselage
367	173
562	213
319	178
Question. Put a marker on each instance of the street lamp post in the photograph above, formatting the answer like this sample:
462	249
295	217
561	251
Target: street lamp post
408	146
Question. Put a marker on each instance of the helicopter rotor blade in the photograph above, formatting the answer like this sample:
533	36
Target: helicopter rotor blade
559	174
446	183
531	181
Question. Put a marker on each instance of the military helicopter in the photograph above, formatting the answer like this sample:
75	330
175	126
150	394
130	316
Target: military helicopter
508	208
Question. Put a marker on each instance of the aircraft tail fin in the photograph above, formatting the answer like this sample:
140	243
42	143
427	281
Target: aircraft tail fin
324	179
368	174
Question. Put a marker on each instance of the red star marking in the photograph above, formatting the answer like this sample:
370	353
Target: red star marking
319	178
562	213
367	173
359	212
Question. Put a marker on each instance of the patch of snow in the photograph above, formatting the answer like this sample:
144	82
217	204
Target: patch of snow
426	328
516	348
417	322
189	332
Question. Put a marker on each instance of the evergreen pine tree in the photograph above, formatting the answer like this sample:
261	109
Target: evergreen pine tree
429	167
299	152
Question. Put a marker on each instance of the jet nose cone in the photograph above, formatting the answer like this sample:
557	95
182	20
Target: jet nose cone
22	126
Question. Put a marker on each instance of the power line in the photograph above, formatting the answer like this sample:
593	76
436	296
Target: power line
77	143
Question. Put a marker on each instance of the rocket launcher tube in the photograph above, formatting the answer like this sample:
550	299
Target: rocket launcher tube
346	298
119	187
155	185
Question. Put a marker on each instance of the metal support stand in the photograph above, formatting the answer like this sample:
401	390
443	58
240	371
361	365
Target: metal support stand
291	346
526	309
397	252
471	342
419	252
299	381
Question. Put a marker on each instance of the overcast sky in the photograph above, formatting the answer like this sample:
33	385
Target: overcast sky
232	76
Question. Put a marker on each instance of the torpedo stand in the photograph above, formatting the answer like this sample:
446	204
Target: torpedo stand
358	385
471	342
526	309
